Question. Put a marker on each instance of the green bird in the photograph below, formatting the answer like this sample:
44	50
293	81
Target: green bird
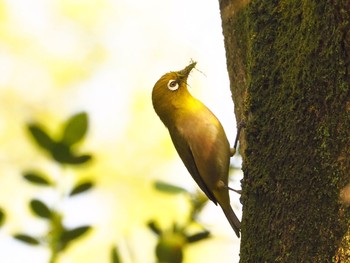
198	137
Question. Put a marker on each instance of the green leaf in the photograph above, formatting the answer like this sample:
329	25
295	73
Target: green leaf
2	217
40	136
155	228
27	239
40	209
170	248
115	255
36	178
81	187
198	237
169	188
69	235
75	129
81	159
62	153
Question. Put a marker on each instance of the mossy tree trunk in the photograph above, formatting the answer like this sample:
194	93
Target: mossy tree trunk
288	63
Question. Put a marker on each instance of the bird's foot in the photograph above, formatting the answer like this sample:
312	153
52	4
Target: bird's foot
234	190
239	128
222	185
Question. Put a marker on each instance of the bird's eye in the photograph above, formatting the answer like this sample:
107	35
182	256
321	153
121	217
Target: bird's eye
173	85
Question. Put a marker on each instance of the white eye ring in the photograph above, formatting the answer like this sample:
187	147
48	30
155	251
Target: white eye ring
173	85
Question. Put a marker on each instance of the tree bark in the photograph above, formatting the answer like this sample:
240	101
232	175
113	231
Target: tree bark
288	63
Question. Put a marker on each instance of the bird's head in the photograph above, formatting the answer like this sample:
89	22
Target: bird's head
170	92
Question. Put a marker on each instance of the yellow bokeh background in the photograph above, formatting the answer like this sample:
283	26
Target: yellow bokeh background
60	57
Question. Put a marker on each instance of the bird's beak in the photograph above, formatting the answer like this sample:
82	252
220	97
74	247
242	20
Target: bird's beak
183	74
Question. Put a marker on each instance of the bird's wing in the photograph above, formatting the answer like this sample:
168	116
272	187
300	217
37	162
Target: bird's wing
211	152
185	152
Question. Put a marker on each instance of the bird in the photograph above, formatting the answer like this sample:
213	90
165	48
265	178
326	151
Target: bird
198	137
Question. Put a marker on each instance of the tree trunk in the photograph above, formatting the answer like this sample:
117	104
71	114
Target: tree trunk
288	63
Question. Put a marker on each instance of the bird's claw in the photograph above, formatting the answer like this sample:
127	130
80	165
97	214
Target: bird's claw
241	125
221	184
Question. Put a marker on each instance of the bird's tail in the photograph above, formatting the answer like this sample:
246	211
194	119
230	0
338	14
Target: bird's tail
232	218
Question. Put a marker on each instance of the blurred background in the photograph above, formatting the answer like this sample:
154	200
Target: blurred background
102	57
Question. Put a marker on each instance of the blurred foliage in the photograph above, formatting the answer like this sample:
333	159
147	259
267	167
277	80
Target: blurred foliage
115	255
81	187
27	239
62	150
59	49
2	217
172	242
169	188
36	177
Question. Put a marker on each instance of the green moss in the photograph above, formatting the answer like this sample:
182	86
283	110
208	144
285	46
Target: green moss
297	127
